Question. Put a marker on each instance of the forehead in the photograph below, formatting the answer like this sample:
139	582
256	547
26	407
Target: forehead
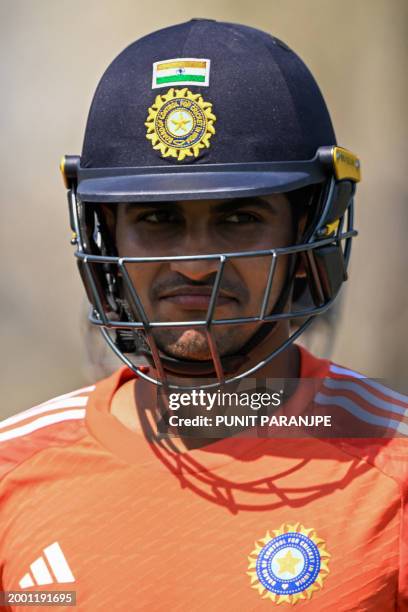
272	204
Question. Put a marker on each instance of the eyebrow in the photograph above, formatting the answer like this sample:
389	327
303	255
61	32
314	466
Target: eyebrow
223	207
237	203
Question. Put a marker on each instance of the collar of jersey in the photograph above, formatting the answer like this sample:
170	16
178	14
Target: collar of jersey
134	448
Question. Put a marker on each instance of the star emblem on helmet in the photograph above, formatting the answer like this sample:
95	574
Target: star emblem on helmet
180	124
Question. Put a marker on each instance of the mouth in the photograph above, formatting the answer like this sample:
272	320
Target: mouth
196	298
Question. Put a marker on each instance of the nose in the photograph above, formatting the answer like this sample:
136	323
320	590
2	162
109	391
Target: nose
196	269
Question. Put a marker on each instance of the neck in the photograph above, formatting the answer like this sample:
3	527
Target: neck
134	404
285	366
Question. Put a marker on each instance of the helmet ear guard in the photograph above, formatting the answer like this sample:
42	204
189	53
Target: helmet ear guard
325	264
99	281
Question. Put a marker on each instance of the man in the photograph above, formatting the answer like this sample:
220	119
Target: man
210	208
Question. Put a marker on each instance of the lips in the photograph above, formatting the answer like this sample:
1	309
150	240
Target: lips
195	298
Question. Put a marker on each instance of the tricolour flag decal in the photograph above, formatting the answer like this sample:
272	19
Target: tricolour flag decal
181	71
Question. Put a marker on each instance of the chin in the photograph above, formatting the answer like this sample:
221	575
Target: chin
188	344
191	344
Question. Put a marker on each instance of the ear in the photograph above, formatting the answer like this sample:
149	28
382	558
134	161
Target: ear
301	226
109	218
300	269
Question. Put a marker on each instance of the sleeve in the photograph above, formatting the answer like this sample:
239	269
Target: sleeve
393	460
391	456
403	568
9	460
3	608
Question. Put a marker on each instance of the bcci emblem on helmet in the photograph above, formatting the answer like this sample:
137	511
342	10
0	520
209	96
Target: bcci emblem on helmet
180	124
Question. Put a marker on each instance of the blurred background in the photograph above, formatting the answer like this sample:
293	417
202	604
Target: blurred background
53	54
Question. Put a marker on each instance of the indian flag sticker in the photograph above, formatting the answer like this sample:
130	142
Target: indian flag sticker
181	71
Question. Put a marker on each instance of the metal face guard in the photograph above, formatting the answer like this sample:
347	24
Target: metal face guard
325	252
321	253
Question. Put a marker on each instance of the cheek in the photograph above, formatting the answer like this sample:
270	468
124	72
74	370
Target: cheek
128	243
254	273
142	276
255	276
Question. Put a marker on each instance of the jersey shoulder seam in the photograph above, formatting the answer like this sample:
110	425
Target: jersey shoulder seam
30	427
42	450
357	455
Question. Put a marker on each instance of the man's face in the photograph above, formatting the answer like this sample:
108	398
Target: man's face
181	290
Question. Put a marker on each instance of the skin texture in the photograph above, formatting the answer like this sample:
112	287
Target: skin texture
180	290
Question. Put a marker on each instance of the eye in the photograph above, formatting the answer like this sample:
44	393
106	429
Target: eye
159	216
241	217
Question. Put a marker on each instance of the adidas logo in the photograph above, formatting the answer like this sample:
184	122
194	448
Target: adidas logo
55	571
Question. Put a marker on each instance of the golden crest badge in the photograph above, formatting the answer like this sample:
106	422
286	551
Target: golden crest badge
180	124
289	564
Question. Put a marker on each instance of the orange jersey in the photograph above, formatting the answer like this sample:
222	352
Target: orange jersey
128	524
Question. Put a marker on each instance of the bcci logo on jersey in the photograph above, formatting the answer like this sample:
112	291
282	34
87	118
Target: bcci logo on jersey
288	565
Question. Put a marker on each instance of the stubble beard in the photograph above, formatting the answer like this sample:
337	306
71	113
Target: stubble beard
192	344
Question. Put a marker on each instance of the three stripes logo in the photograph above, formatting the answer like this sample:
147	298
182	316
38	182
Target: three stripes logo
67	407
52	567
